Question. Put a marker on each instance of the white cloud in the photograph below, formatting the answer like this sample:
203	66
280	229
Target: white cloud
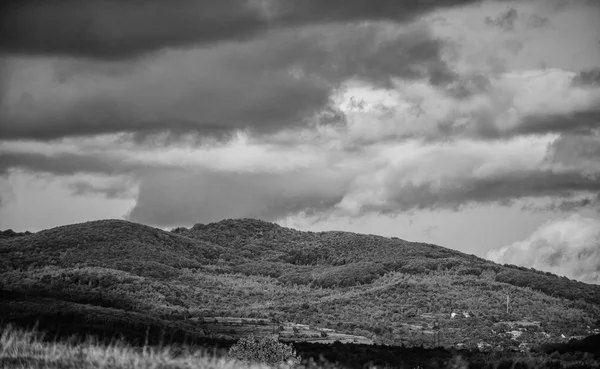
568	246
510	104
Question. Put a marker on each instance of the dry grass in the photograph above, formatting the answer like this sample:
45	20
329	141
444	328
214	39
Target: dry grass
25	349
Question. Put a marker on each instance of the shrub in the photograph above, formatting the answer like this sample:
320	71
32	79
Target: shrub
301	277
263	350
264	268
349	275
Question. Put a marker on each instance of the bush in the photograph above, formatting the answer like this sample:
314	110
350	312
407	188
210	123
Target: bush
302	277
263	350
349	275
264	268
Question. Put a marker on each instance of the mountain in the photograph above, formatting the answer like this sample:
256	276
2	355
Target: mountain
10	233
113	244
115	276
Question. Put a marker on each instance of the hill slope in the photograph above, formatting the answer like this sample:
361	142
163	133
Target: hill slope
112	244
118	276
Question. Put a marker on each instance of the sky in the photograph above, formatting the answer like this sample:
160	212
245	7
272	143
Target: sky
470	124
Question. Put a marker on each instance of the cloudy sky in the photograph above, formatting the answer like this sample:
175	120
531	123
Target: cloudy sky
470	124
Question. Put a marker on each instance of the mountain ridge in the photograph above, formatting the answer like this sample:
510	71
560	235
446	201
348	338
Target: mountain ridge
367	285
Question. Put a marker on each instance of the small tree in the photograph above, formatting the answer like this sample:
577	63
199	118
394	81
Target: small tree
263	350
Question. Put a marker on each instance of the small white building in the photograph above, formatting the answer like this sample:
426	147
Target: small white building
515	334
464	314
484	346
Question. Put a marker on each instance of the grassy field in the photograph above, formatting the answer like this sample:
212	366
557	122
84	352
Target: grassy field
21	349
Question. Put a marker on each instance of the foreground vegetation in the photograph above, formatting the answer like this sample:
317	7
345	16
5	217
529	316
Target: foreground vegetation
264	350
28	349
31	350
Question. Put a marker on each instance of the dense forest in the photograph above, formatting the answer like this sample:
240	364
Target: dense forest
145	284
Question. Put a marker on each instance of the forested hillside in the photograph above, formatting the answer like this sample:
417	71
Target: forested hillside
120	277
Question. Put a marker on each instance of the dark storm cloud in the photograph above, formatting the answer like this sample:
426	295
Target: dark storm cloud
567	206
508	19
574	149
466	86
284	79
178	197
110	191
505	21
590	77
65	164
120	29
215	106
538	21
113	29
485	126
459	192
169	195
573	122
375	53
